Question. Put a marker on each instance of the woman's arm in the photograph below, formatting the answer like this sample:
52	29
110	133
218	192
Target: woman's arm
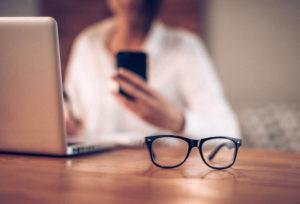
73	117
207	112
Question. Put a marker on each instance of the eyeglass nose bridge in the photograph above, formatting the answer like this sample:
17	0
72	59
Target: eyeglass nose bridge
195	143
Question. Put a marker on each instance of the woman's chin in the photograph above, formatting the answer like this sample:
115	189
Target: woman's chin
132	18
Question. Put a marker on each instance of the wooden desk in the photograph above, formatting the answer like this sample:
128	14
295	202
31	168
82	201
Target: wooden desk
127	176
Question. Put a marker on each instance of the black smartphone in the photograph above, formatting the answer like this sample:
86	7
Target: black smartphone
136	62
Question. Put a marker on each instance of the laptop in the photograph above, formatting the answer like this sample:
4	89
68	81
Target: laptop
31	93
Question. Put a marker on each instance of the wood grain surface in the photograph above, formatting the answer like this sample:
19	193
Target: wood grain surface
127	176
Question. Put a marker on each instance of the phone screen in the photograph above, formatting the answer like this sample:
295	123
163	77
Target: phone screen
136	62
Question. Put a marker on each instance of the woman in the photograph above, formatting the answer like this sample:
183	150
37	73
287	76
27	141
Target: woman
182	95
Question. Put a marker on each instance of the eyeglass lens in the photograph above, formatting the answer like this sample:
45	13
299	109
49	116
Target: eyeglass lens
218	152
169	151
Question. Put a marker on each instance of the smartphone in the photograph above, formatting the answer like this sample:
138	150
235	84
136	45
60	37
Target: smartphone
136	62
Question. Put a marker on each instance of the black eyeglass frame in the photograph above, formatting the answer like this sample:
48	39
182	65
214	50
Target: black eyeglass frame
192	143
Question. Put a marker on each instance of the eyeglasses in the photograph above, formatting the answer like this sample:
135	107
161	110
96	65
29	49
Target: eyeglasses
170	151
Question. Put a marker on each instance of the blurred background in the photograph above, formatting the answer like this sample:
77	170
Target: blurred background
254	44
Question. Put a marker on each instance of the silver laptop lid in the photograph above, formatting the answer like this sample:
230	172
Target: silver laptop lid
31	116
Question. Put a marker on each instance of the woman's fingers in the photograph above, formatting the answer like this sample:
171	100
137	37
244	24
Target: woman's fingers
133	91
135	80
73	126
123	100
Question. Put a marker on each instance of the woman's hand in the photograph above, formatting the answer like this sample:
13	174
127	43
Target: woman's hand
147	103
73	124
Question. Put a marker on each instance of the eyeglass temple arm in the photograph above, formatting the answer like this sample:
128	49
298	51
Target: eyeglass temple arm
212	155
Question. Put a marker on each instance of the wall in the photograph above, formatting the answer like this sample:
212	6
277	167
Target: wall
255	45
19	7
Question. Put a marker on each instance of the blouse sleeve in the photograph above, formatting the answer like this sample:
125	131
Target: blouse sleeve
207	112
72	80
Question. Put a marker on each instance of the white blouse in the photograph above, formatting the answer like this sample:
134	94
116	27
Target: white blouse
178	68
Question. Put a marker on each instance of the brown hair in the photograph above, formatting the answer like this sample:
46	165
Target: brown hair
152	7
